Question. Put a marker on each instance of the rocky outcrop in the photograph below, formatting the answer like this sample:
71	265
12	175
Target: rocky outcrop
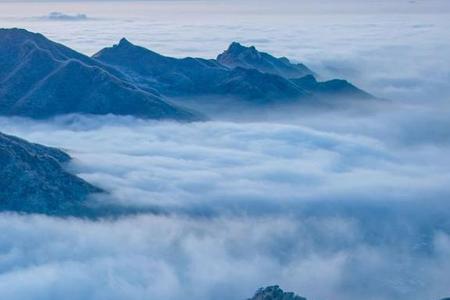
238	55
274	293
34	179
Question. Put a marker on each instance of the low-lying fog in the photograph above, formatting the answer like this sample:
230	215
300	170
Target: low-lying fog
333	205
342	204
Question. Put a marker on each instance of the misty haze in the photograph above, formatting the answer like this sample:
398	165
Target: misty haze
224	150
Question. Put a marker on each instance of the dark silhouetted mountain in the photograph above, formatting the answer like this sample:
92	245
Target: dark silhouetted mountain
193	76
40	78
335	88
166	74
252	84
274	293
262	79
249	58
33	179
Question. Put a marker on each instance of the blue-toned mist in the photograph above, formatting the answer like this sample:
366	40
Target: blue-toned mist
338	205
319	209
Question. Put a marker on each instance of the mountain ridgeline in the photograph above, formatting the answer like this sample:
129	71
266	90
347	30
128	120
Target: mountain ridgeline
40	78
239	72
249	58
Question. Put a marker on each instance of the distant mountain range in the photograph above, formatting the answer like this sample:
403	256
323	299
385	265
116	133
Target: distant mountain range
40	78
239	72
33	179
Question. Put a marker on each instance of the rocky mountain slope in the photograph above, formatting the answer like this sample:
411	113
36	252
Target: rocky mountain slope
193	76
240	72
238	55
33	179
40	78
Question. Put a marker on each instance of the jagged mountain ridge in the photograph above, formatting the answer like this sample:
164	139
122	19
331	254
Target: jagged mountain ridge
240	72
40	78
151	70
193	76
238	55
336	88
34	180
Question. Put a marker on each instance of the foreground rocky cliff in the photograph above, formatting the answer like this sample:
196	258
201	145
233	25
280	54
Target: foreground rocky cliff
34	180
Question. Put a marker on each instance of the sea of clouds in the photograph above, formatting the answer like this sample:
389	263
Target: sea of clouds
395	49
332	204
331	212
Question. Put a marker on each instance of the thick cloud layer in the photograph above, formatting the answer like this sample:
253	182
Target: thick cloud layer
332	204
227	164
177	258
321	209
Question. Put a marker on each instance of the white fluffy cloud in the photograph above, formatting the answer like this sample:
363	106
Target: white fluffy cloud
225	165
140	257
319	208
335	205
222	258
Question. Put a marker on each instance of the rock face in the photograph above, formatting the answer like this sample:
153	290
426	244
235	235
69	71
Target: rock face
40	79
274	293
33	180
249	58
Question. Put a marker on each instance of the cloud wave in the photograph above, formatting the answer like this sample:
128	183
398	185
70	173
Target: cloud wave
322	205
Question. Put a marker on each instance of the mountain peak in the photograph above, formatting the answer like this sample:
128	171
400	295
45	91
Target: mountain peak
238	55
86	84
237	48
15	30
18	34
124	42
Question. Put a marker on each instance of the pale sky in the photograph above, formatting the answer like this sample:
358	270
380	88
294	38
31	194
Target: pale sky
367	6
